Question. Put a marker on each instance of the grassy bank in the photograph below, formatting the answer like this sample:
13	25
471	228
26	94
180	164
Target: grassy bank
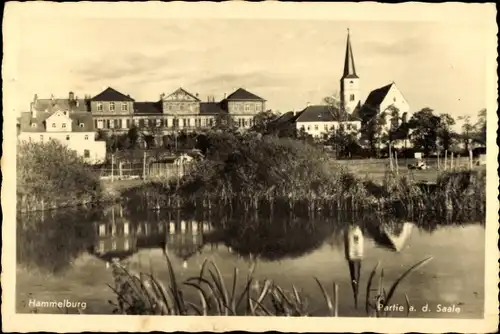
275	173
144	294
51	176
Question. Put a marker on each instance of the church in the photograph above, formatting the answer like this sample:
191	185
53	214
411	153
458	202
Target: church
350	112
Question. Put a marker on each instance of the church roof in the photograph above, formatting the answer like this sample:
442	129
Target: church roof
349	67
110	94
243	95
378	95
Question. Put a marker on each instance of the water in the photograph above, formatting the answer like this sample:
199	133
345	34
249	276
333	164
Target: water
63	255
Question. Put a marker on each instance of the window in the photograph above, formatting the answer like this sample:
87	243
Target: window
247	107
86	137
86	153
63	125
82	125
394	99
181	106
166	122
308	128
67	137
326	127
354	127
351	82
316	127
53	125
124	107
100	124
128	123
349	126
184	122
158	123
258	107
113	245
99	106
111	106
352	97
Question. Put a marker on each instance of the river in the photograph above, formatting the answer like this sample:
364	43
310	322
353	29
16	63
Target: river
64	255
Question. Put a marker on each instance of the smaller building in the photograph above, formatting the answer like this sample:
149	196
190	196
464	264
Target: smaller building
320	120
66	121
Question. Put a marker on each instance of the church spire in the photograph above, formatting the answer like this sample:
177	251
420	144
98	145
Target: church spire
349	68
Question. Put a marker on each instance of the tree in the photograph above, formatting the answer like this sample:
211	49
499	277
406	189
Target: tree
133	136
224	122
445	133
344	142
373	132
262	122
480	127
425	126
467	131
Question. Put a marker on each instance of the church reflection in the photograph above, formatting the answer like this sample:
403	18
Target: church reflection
392	236
354	251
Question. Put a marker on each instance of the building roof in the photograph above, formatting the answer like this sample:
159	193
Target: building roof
378	95
27	121
286	117
110	94
182	91
211	108
323	113
349	68
148	108
53	104
243	95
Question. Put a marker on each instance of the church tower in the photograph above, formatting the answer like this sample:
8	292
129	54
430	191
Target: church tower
349	83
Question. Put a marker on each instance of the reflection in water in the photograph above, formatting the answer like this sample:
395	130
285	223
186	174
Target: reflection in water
54	240
354	248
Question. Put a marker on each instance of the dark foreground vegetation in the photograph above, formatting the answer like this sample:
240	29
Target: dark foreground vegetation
268	173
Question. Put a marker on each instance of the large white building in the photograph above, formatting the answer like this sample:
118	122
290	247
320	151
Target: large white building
62	120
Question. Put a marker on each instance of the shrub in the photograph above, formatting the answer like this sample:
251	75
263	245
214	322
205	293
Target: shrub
54	175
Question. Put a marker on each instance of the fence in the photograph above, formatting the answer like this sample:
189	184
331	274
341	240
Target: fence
128	171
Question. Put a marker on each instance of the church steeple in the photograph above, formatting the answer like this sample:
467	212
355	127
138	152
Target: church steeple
350	97
349	67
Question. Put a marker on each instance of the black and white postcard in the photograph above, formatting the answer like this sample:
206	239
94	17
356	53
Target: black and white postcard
255	166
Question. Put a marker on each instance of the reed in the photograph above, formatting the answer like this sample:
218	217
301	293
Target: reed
141	294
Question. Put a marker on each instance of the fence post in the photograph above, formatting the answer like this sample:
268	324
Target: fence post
144	166
445	159
112	166
470	159
451	162
120	170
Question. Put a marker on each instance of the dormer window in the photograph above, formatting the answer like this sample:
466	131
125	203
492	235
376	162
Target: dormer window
111	106
394	99
63	125
33	125
82	125
124	107
53	125
99	106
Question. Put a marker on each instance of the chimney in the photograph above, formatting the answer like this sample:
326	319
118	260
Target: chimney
197	95
77	102
52	98
71	96
225	95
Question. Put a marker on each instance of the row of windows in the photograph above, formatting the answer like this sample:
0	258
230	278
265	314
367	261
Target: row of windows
325	127
86	137
181	106
112	107
174	123
248	107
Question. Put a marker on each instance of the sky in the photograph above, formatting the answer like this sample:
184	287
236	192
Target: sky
289	62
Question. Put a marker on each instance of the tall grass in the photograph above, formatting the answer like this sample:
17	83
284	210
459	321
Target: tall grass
142	294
